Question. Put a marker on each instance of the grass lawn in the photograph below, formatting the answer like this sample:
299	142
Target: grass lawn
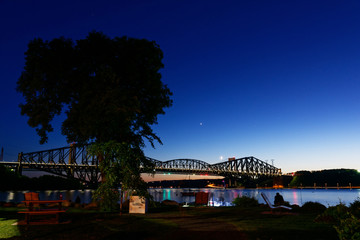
256	223
7	229
175	223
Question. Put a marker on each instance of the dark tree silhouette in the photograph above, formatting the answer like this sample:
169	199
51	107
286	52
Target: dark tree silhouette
330	177
111	92
110	89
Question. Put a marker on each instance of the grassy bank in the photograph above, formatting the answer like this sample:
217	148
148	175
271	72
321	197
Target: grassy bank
173	223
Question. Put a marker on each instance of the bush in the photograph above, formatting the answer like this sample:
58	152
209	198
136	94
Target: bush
313	207
245	201
349	228
295	208
334	214
345	223
355	208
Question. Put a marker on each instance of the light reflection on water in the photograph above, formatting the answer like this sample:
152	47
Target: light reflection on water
224	197
18	196
217	197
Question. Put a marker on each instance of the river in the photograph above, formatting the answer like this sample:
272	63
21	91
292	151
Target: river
224	197
218	197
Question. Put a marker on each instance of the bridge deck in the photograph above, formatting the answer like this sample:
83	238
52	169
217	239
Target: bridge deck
74	161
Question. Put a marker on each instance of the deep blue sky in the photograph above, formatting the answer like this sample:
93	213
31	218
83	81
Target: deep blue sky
272	79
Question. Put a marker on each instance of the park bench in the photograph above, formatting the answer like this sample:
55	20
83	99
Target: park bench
34	205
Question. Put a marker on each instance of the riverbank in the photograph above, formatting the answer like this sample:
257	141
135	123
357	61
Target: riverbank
217	197
173	222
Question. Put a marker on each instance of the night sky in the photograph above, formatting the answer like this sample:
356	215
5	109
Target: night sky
277	80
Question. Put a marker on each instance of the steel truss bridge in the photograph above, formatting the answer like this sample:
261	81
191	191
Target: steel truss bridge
75	162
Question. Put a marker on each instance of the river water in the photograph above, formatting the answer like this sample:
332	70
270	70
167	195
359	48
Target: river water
218	197
224	197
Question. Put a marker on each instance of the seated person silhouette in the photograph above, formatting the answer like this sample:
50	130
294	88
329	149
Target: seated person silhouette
279	200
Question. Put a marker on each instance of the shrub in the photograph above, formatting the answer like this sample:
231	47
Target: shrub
313	207
245	201
295	208
355	208
349	228
334	214
345	223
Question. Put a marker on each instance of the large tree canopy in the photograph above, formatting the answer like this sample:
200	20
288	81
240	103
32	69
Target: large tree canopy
110	89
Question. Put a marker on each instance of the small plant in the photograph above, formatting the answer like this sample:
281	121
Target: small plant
245	201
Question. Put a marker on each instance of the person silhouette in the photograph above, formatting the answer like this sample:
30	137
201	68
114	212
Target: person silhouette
279	200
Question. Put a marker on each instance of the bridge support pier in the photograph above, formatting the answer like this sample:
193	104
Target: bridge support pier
72	158
19	167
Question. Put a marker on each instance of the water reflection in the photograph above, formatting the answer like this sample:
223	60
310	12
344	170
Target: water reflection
166	194
217	197
295	197
224	197
18	196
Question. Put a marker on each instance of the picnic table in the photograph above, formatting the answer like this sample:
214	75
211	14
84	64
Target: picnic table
36	207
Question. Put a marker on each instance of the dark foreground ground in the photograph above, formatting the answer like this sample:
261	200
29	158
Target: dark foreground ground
173	223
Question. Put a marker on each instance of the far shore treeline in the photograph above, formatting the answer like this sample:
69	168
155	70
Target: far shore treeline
10	180
329	178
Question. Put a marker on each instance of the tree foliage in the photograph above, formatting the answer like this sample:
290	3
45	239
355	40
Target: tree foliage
120	166
111	92
331	177
110	89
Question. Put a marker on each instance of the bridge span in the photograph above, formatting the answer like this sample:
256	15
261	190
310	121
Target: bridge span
75	162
